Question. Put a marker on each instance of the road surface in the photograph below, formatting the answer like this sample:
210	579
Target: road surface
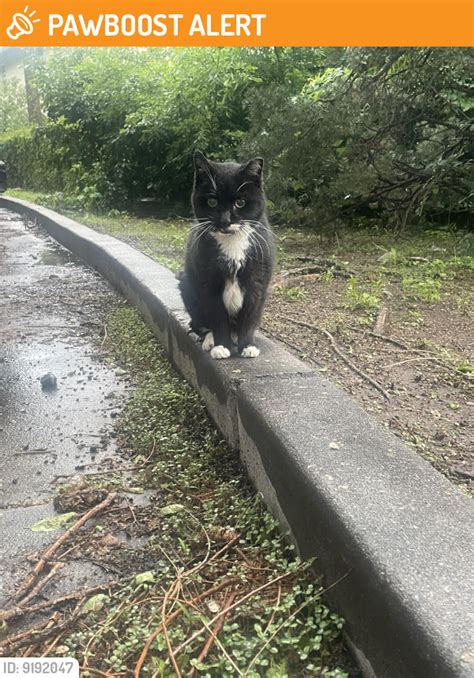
52	309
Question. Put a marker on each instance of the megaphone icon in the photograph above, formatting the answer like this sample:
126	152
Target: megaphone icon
22	24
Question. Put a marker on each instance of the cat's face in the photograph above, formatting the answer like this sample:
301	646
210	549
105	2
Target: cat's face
227	195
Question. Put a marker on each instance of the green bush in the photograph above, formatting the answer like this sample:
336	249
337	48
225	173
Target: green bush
347	134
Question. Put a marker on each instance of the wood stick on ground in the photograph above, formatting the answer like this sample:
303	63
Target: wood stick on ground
383	337
172	617
290	618
105	336
22	634
52	622
172	590
244	598
98	672
309	270
403	346
48	554
214	632
380	320
42	582
5	615
410	360
36	635
343	357
291	345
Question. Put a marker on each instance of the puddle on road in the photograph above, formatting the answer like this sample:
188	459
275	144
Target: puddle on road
55	257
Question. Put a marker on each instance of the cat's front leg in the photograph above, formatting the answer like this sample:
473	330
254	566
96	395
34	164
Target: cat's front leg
246	345
222	341
219	339
246	326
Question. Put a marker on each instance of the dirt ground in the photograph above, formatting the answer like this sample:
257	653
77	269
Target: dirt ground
414	339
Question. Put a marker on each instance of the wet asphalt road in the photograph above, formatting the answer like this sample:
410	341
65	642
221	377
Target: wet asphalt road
50	307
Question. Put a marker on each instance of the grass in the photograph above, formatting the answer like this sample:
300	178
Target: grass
202	505
363	296
291	293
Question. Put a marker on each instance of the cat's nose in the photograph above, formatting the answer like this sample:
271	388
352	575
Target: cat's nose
225	220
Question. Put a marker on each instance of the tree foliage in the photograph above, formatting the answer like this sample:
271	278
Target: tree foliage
384	133
13	110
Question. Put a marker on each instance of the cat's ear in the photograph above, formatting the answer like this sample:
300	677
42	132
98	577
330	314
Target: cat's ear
254	169
200	162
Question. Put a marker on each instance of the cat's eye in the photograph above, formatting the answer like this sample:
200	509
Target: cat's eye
239	203
212	202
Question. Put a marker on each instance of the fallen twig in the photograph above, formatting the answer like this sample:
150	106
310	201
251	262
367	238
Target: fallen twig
291	345
343	357
171	617
244	598
409	360
214	632
98	672
383	337
14	612
105	336
37	634
380	320
39	567
42	582
404	347
173	588
309	270
25	453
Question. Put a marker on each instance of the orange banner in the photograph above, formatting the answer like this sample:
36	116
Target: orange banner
233	22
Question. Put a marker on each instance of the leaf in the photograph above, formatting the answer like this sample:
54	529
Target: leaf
95	603
55	522
145	577
171	509
213	606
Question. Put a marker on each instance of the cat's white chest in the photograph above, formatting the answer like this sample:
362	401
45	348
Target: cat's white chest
233	296
233	246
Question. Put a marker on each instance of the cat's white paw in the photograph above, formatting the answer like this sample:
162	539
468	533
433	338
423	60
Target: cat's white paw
220	352
208	342
250	352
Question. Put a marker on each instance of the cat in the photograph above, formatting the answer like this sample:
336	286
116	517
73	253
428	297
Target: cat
229	256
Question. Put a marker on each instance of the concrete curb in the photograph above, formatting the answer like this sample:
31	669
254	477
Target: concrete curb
376	514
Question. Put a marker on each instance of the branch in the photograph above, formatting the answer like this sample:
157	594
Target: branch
343	357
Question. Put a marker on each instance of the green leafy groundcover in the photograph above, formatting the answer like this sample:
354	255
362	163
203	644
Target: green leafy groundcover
212	532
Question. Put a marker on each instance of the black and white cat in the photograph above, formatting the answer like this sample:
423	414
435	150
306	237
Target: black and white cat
229	256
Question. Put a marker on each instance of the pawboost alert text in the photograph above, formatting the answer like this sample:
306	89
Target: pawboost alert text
159	25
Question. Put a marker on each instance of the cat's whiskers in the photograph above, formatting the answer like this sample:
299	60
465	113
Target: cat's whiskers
264	227
198	227
254	222
257	245
253	239
259	238
200	235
